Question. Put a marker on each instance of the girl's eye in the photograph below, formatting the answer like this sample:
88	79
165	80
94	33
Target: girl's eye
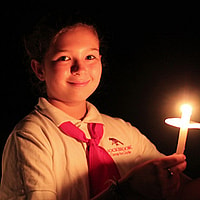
63	58
90	57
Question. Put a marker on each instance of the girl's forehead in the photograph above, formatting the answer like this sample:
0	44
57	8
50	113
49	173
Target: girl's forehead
79	27
78	35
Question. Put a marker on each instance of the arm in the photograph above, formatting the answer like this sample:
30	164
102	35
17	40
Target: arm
119	191
150	180
35	158
26	169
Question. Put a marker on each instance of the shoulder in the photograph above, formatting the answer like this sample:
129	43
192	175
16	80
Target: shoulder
30	135
121	129
118	127
36	124
118	123
31	121
33	128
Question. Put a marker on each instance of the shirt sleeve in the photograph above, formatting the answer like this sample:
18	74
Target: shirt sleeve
27	166
145	149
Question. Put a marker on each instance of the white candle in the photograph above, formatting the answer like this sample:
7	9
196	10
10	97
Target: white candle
185	121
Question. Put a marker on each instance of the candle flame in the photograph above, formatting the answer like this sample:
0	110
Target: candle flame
186	114
186	109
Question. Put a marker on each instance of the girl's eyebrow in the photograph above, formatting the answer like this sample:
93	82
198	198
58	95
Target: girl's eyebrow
94	49
66	50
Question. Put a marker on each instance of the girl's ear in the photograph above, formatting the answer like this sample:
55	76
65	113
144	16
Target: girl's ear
38	69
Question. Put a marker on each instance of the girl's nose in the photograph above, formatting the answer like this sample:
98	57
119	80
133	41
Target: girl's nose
77	68
74	70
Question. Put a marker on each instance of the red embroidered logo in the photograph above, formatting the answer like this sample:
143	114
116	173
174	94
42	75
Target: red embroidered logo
119	150
115	141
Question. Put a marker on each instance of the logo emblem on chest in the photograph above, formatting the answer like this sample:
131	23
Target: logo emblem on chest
116	141
118	148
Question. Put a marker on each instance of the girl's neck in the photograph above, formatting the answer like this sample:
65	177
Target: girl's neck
76	110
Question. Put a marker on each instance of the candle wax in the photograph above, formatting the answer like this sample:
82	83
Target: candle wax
185	121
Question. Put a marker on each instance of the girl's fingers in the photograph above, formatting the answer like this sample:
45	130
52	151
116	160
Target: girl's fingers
172	160
179	168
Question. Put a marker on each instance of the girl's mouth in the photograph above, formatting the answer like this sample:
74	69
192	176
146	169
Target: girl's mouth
79	84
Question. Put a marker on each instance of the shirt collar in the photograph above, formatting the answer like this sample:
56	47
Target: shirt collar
58	116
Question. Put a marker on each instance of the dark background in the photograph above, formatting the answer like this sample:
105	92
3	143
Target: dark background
153	65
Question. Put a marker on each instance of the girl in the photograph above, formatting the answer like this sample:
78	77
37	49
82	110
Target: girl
65	148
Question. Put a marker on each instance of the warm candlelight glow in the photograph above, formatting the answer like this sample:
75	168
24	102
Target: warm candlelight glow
183	123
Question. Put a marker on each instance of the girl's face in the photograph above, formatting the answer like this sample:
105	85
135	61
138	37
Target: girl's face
72	66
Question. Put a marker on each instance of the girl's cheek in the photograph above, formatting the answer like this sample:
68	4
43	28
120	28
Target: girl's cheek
58	66
95	65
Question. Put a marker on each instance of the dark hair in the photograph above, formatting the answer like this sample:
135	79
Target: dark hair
38	40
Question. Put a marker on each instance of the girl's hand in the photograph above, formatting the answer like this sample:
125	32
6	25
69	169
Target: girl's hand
156	179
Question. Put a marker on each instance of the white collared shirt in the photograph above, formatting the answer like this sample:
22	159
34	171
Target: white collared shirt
41	162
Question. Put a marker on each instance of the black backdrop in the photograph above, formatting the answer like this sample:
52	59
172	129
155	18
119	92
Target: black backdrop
152	66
